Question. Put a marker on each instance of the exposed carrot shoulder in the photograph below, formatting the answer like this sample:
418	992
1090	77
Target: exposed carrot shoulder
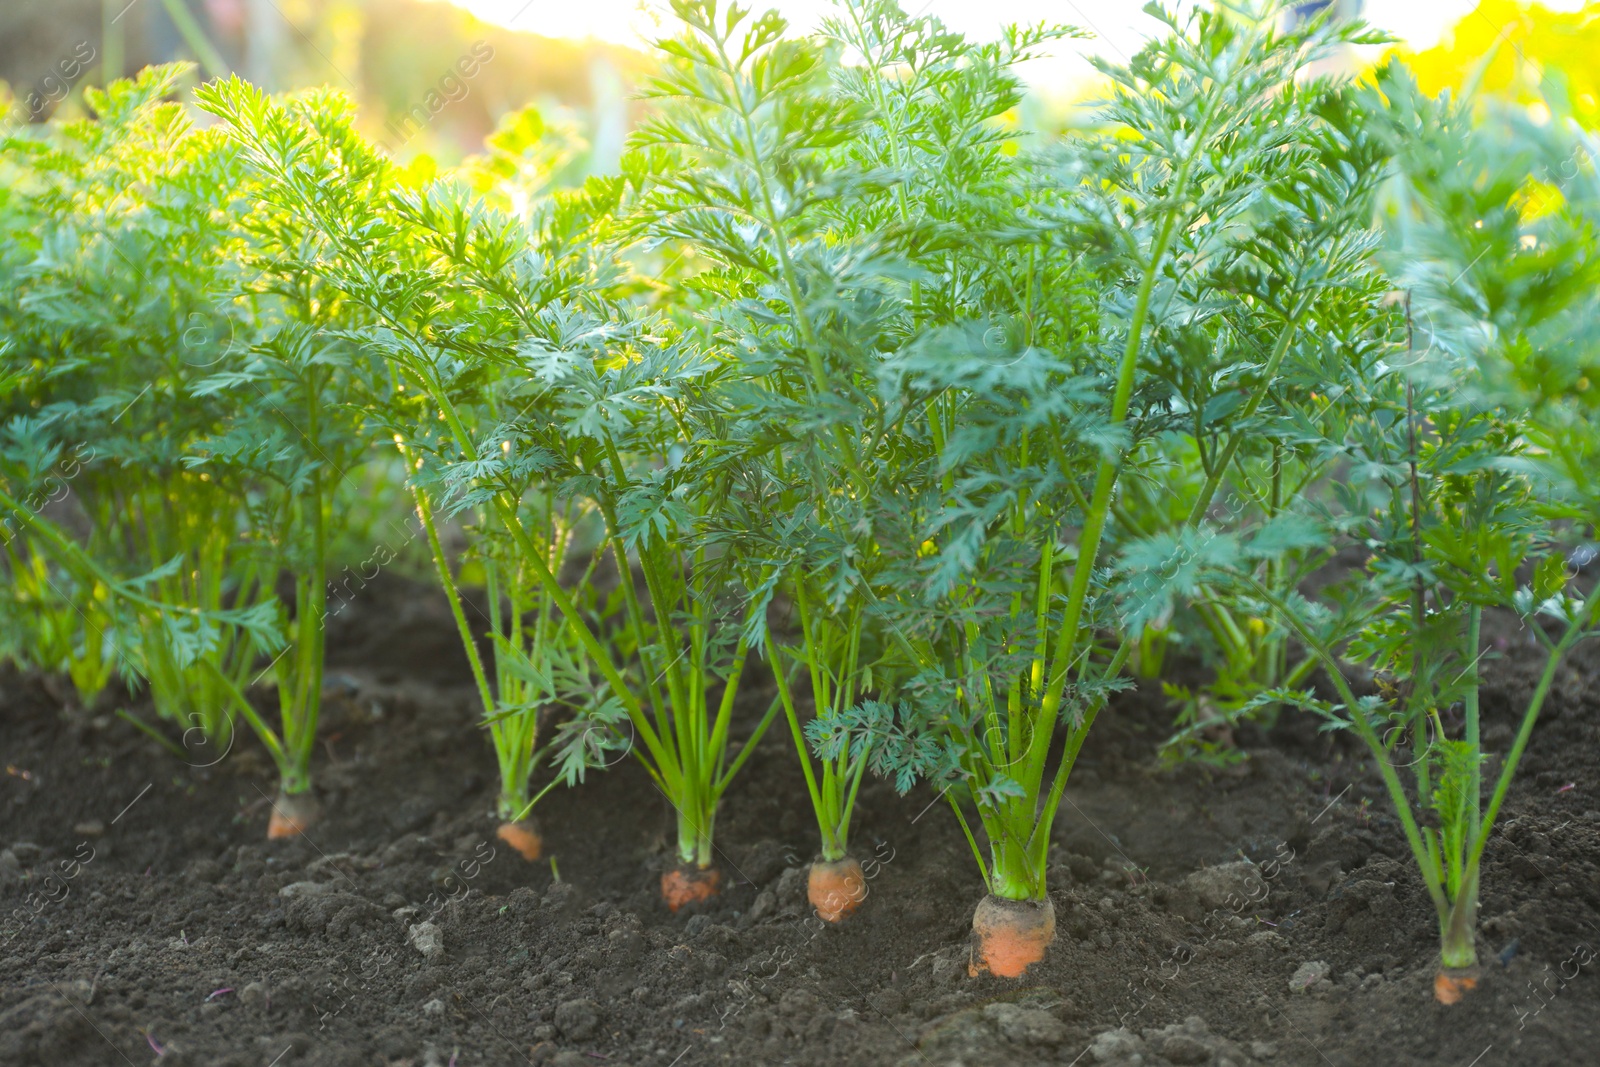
1453	983
836	888
523	836
1009	936
292	815
685	885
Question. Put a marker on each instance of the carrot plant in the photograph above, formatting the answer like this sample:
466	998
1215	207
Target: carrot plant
344	183
770	164
737	167
161	322
1497	441
1500	308
1147	279
1464	460
114	322
538	665
311	431
596	405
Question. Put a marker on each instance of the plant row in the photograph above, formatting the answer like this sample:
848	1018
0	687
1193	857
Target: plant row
848	391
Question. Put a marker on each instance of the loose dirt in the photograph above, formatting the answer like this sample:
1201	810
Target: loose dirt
1262	914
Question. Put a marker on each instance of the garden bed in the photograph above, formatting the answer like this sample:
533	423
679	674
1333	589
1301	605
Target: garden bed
184	937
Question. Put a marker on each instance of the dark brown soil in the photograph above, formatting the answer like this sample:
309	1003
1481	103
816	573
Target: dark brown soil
149	921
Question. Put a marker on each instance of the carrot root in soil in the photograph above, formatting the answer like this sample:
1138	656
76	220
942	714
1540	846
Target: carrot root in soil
523	836
1009	936
1452	983
685	885
836	889
292	815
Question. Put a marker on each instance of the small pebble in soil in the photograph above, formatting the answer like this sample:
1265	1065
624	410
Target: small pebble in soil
1309	975
1116	1045
303	889
766	903
427	939
433	1007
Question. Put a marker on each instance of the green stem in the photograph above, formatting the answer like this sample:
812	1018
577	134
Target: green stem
696	820
1458	927
269	739
1475	790
1268	373
571	617
717	744
1108	467
452	594
1365	729
300	715
799	736
972	842
749	747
